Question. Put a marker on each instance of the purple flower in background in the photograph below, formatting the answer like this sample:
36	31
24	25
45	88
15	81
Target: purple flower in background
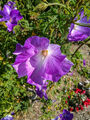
66	115
8	117
11	15
84	62
57	118
12	113
11	4
42	92
40	61
79	33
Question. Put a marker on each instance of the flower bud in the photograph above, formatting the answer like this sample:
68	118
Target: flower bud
42	6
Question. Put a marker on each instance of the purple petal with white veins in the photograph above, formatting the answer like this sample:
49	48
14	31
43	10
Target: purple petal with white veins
1	13
23	68
41	92
2	19
19	49
22	57
39	86
36	75
53	67
8	117
11	4
40	43
27	43
7	10
53	60
10	26
16	15
57	118
79	33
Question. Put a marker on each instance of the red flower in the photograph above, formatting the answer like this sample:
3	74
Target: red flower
68	97
81	107
66	101
87	102
83	92
77	109
71	109
77	91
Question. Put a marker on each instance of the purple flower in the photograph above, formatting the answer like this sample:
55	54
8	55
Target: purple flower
57	118
40	61
42	92
12	113
79	33
66	115
84	62
8	117
11	15
11	4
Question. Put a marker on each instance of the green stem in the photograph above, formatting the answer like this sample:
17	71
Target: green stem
80	46
83	24
59	4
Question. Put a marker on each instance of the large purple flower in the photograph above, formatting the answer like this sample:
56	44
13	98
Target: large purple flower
79	33
8	117
66	115
11	15
40	61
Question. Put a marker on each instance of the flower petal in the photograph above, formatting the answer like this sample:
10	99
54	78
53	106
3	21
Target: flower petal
10	26
15	14
23	68
1	13
19	49
7	10
79	33
40	43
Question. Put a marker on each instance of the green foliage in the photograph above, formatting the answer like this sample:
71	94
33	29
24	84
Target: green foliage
13	95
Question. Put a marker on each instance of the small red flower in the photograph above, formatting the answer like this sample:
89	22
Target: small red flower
71	109
86	102
77	109
66	101
77	91
81	107
68	97
83	92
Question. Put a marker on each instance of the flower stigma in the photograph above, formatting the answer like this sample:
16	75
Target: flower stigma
10	20
44	53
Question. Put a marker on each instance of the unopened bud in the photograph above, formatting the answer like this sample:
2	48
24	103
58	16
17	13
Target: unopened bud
42	6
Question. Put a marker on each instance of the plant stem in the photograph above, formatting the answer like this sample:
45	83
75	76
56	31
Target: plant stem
50	4
80	46
83	24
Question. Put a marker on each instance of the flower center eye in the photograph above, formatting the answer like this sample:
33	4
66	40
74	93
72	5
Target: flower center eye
10	19
75	27
44	53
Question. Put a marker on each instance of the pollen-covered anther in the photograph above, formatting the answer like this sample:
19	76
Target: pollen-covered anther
44	53
10	20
